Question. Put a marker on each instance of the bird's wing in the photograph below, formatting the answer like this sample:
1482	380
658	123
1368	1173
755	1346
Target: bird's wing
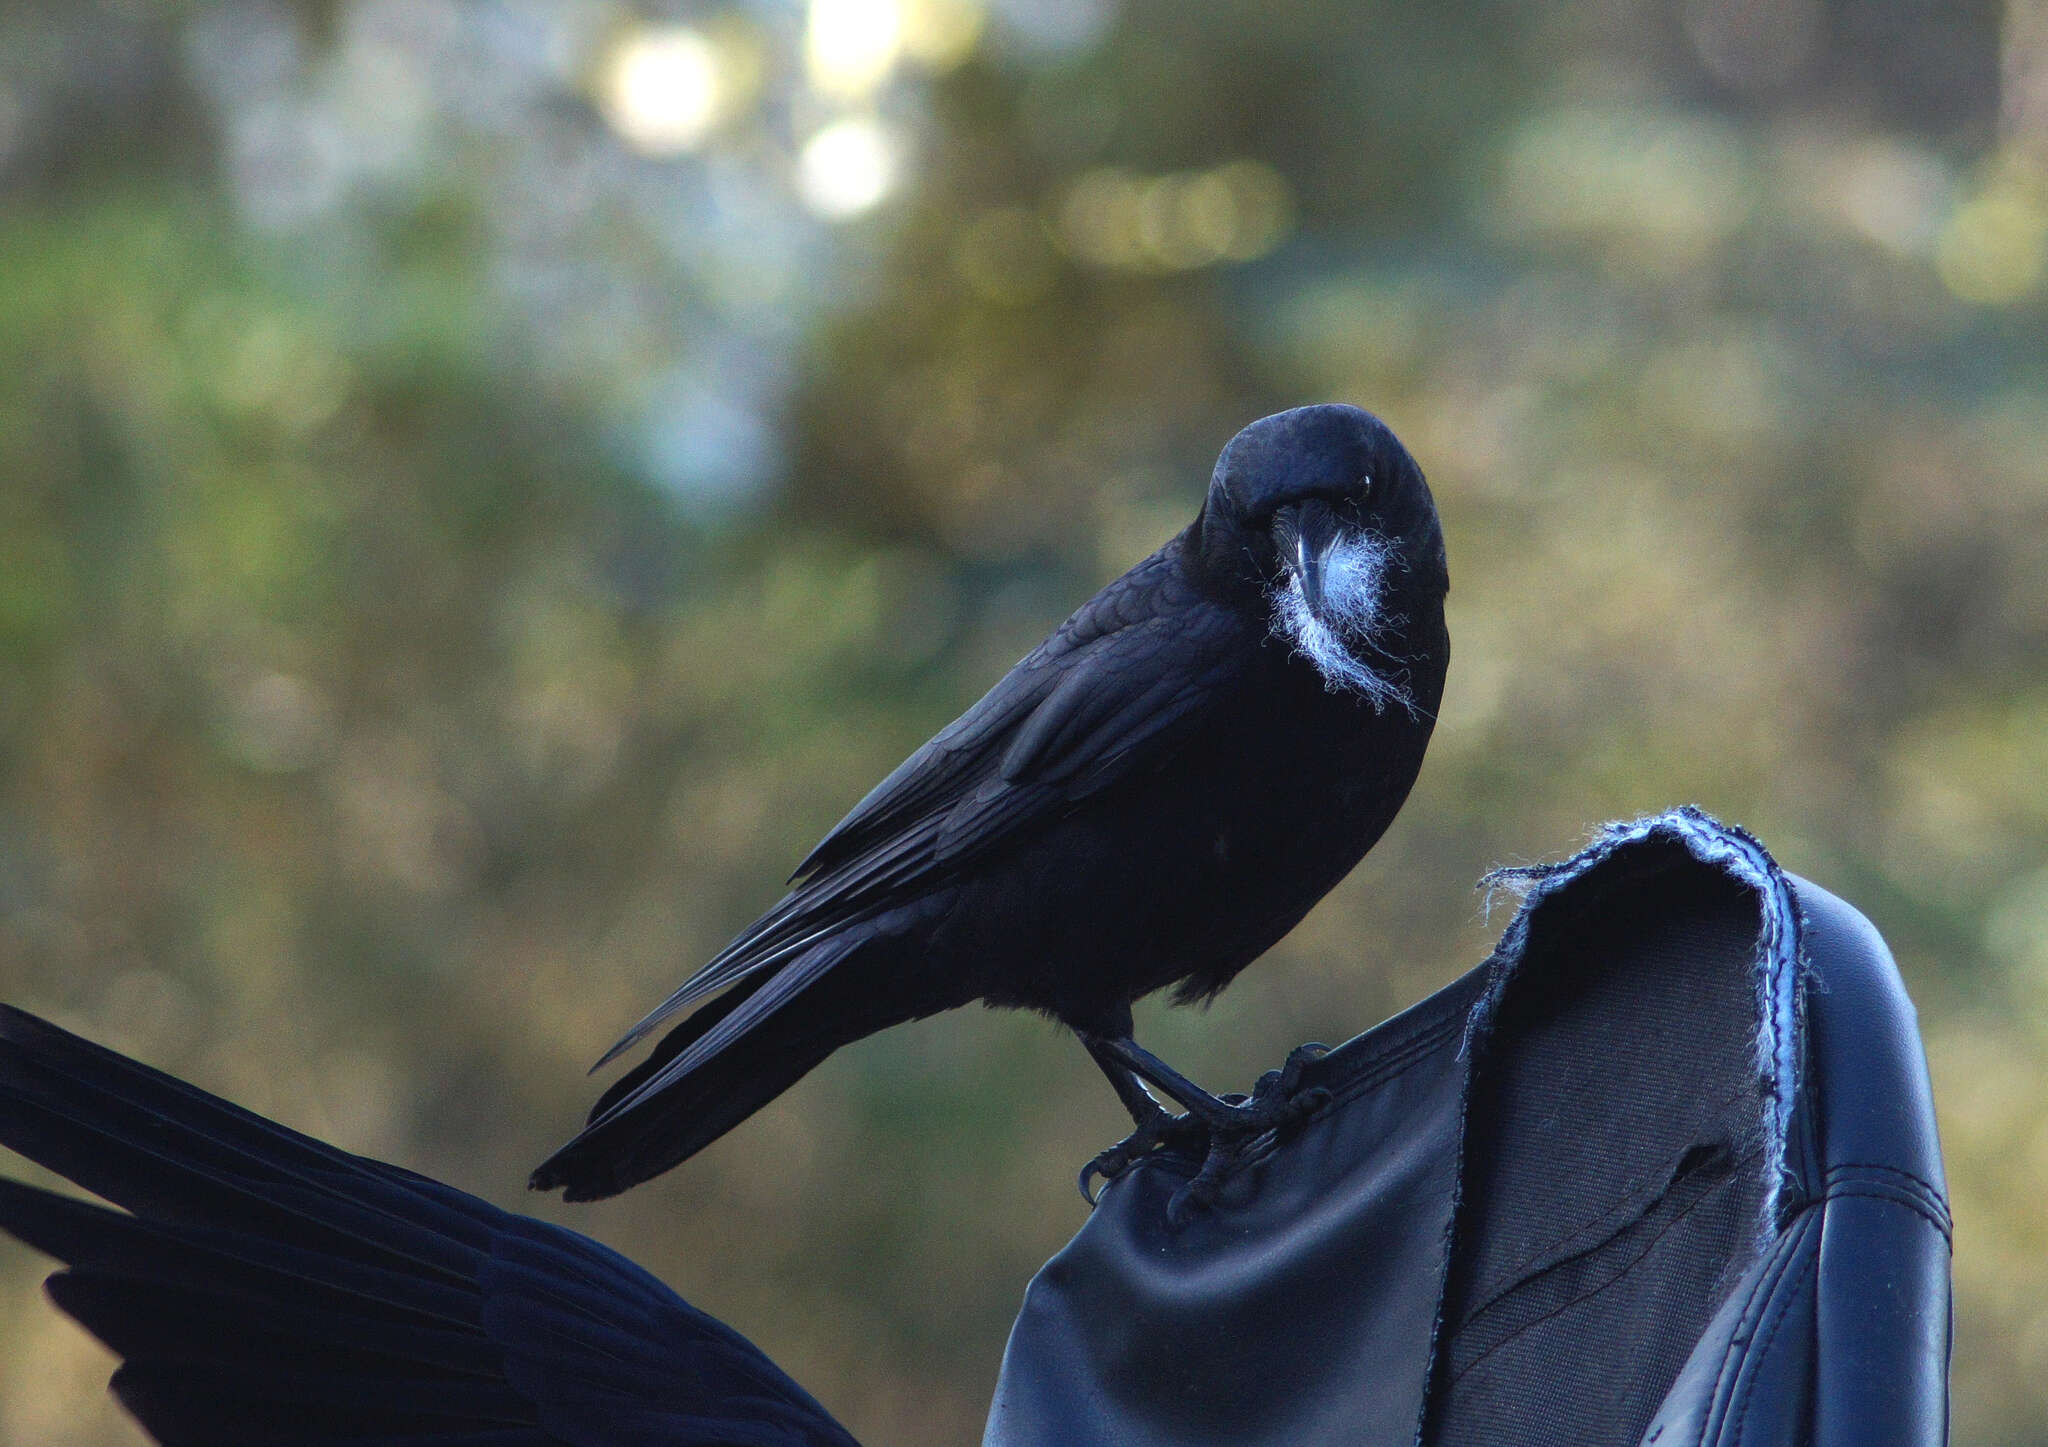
1106	645
265	1288
1107	692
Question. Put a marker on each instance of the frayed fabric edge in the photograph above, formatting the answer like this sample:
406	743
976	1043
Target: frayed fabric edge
1736	853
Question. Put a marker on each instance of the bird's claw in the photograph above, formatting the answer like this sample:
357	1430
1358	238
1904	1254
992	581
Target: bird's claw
1154	1131
1108	1165
1298	1059
1277	1100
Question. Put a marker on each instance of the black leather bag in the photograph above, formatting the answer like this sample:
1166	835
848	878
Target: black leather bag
1662	1170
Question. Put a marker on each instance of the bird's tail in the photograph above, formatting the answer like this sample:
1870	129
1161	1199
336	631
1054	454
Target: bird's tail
265	1287
718	1067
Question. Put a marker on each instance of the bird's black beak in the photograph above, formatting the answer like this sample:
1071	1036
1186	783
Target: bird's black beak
1303	535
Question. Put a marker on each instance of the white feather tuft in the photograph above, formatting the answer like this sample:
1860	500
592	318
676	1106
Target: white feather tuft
1354	576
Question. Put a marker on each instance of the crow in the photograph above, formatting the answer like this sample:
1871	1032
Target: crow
1153	796
264	1287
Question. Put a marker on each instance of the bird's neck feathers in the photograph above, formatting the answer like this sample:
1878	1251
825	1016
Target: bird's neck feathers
1222	554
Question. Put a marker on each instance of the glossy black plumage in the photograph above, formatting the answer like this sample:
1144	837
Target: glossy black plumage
1152	797
267	1288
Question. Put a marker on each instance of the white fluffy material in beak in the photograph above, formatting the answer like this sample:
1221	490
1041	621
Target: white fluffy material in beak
1354	574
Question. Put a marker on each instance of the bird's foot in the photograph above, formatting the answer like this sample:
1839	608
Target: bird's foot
1277	1100
1159	1129
1221	1128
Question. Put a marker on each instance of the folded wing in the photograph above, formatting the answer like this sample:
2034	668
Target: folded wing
1110	690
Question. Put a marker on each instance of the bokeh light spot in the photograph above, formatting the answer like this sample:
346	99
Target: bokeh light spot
1894	193
1179	221
1994	249
850	46
1261	209
847	167
939	34
660	89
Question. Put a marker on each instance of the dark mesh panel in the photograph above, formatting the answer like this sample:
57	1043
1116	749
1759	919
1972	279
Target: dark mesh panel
1613	1170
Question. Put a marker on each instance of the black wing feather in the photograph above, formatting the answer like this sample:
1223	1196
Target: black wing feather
271	1289
1110	689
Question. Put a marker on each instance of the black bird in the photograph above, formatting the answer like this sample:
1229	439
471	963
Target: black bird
1153	796
264	1287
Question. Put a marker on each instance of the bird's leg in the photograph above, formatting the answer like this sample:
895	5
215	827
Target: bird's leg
1151	1119
1213	1111
1129	1089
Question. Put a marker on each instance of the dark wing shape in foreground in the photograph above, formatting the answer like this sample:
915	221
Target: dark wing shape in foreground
270	1289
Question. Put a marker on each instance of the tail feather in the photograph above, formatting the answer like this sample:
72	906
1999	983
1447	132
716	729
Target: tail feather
685	1096
271	1289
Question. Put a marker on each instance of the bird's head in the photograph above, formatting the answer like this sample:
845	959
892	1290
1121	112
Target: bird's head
1323	514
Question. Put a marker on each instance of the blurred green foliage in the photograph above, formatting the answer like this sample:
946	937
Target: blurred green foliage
474	508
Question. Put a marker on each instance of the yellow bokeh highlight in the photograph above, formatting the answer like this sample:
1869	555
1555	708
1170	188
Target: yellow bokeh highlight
1180	221
850	46
1994	248
940	34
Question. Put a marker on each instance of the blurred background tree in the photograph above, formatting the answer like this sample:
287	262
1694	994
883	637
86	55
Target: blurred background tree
485	483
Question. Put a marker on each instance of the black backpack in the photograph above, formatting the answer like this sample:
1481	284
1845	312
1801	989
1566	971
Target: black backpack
1662	1170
